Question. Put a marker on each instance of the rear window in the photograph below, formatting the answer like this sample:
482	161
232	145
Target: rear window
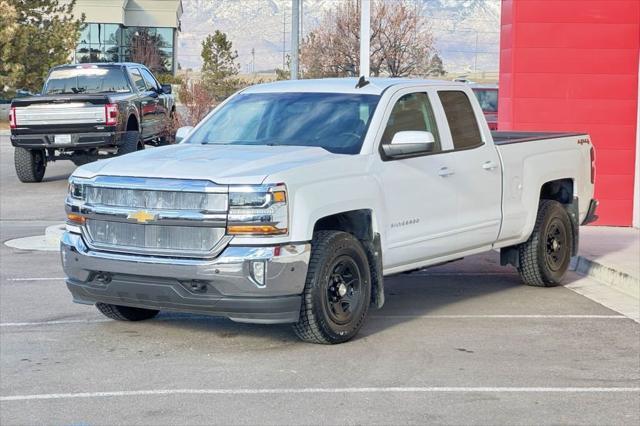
488	99
86	80
462	121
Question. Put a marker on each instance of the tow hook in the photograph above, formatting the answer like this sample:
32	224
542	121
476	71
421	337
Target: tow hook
103	278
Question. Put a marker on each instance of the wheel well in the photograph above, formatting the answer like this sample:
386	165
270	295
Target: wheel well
132	123
355	222
359	223
560	190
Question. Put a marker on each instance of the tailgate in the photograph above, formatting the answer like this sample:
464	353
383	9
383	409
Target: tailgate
51	111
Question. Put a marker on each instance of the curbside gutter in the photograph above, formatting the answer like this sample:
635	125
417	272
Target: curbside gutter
612	277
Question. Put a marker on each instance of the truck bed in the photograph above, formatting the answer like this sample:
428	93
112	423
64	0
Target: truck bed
503	138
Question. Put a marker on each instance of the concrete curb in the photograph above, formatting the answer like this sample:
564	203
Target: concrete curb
50	241
618	280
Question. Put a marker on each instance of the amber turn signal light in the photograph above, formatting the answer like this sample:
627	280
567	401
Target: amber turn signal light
76	218
254	230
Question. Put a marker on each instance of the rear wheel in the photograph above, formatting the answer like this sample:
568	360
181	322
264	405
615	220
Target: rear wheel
30	164
125	313
337	290
131	143
545	257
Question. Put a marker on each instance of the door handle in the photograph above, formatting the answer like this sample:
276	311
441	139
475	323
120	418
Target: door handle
489	165
445	171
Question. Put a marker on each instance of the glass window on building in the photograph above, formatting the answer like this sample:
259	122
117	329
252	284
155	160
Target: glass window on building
150	46
99	43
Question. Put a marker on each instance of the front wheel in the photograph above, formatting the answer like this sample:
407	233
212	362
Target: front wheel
30	164
337	290
545	256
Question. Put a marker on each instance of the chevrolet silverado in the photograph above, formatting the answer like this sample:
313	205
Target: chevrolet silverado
291	201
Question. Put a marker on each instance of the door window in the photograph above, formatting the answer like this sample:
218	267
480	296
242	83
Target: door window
412	112
148	78
462	121
138	81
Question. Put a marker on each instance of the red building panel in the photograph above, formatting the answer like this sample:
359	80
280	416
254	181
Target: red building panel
572	65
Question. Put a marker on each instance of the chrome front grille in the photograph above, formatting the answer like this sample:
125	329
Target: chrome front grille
195	240
148	199
152	216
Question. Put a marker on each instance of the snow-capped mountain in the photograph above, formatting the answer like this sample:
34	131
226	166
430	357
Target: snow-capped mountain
466	31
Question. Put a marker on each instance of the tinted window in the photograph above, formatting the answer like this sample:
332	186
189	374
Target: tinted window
86	80
412	112
151	82
138	81
333	121
462	121
488	99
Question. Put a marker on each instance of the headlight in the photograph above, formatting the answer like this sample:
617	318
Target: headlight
258	210
76	190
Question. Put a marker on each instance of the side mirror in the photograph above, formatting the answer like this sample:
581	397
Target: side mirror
410	143
182	133
166	88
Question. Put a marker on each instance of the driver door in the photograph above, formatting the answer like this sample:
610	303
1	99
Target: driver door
419	196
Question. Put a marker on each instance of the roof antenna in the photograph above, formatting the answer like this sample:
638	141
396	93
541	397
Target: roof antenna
361	82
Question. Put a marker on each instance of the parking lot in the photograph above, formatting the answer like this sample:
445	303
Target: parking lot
463	343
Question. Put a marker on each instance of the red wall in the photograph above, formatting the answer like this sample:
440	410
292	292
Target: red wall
572	65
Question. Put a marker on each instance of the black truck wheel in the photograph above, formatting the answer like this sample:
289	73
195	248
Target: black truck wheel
131	143
545	256
30	164
337	290
125	313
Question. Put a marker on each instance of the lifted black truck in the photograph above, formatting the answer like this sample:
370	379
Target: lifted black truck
86	112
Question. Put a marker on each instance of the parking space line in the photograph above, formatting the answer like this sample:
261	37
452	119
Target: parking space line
57	322
35	279
92	321
490	316
285	391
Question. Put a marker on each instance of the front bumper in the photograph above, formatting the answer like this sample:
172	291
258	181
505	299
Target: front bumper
224	286
78	140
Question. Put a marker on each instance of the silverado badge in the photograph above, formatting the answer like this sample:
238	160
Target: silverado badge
142	216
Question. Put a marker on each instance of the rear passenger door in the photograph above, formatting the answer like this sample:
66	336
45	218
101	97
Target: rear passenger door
477	173
161	100
147	104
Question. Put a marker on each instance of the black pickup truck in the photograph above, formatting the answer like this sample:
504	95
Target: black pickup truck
88	111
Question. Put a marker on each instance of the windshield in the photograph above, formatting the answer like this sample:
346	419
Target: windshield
334	121
86	80
488	99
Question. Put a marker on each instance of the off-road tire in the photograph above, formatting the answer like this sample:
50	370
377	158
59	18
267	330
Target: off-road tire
30	164
535	267
125	313
316	324
131	143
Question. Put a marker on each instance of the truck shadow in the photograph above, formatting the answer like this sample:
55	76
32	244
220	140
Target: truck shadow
474	287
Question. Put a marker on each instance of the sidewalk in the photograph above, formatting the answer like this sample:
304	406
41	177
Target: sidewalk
611	255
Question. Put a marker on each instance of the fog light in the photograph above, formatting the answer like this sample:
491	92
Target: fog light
258	272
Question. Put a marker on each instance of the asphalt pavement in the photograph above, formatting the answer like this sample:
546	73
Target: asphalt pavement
463	343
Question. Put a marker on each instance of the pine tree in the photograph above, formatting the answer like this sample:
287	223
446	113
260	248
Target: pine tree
219	66
35	35
436	67
218	56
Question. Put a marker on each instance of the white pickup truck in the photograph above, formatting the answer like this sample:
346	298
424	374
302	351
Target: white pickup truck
291	201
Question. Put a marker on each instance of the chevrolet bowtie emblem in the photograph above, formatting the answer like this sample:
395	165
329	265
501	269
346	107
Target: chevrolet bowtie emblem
142	216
